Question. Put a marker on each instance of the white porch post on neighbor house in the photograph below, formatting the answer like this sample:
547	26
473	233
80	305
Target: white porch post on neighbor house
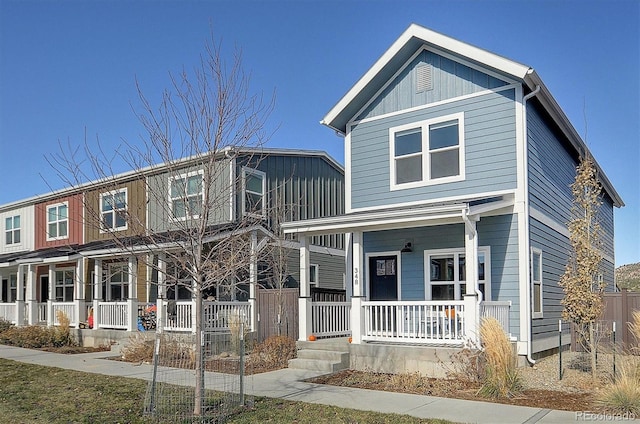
471	297
355	251
161	316
97	292
32	295
253	280
20	318
132	299
304	302
51	319
81	311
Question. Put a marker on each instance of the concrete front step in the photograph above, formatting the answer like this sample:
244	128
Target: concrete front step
328	355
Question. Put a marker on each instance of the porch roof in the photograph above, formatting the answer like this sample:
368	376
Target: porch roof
400	217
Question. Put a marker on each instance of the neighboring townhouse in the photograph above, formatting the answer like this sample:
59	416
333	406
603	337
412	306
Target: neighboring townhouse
456	159
99	251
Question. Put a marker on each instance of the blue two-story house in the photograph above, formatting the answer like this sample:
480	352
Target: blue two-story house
456	159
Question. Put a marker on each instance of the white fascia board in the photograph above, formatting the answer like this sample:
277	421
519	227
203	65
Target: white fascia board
377	220
492	60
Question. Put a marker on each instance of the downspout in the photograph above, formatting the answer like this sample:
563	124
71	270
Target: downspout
526	182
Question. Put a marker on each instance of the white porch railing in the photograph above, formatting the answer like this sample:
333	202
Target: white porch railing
42	312
439	322
498	310
179	319
221	316
113	315
331	319
8	312
69	309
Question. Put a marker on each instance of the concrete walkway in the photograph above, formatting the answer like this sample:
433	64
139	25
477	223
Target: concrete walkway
288	384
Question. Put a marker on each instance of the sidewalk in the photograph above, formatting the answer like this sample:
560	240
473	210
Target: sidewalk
288	384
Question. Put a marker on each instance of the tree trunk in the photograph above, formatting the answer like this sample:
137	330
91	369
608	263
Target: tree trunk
592	349
199	383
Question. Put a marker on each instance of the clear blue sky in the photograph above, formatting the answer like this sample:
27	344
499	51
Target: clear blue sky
67	66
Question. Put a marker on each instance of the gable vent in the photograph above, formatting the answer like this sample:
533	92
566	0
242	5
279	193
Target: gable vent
423	78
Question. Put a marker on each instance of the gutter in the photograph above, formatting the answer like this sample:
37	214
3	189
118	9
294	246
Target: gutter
526	217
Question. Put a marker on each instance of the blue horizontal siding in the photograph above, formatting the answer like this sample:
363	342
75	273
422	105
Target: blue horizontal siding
490	136
450	79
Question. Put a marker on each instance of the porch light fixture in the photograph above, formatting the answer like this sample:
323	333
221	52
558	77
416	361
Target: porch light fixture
407	248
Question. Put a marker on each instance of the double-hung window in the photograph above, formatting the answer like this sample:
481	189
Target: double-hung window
536	282
12	230
254	184
446	274
314	276
118	282
113	210
63	285
186	193
427	152
58	221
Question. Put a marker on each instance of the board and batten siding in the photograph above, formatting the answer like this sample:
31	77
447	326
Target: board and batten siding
490	152
136	210
449	79
27	215
308	187
159	210
74	224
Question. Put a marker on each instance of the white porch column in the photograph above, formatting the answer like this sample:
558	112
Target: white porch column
348	272
132	299
305	328
32	295
253	280
51	319
471	299
357	261
81	311
97	291
20	316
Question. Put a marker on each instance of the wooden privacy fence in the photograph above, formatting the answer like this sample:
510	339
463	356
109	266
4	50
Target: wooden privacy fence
619	308
267	303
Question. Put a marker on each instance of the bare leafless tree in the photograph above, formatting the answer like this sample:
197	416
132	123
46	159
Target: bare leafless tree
204	118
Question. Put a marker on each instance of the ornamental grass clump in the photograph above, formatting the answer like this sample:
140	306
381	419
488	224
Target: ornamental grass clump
622	396
501	377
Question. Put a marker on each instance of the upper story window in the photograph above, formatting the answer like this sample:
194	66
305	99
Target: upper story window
254	185
113	209
58	221
186	195
428	152
12	230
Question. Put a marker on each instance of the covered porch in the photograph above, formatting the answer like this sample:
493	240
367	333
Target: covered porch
439	304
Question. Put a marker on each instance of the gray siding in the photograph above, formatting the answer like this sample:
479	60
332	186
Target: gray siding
308	187
331	268
490	149
159	210
555	254
501	234
449	79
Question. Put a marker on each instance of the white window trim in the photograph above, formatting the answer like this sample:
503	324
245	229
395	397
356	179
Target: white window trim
184	176
317	281
122	284
12	230
56	205
534	314
56	285
486	250
426	167
104	230
398	256
247	171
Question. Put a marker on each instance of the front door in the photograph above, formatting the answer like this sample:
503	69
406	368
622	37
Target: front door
44	288
383	278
